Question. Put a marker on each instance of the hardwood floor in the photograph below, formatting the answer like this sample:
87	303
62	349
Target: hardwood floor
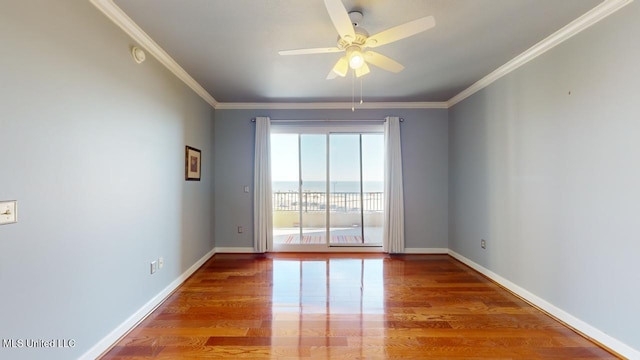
347	306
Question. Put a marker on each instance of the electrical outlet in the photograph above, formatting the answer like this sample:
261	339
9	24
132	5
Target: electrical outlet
240	230
160	262
154	266
483	243
246	189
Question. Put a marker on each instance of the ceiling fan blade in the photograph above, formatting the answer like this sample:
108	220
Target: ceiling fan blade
332	75
310	51
401	31
383	62
363	70
340	18
339	69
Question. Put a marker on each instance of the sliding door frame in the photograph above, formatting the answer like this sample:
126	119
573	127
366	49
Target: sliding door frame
368	128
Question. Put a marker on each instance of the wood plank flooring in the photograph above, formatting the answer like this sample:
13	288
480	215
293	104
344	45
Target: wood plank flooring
347	306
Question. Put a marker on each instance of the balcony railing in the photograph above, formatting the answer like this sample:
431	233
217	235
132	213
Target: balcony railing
338	201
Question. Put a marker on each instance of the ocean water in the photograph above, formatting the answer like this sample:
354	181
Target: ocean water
321	186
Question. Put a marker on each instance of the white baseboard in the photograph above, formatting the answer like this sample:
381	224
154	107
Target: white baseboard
250	250
142	313
426	250
235	250
588	330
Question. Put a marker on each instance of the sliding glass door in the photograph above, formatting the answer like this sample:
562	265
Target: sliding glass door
327	190
345	220
313	180
372	187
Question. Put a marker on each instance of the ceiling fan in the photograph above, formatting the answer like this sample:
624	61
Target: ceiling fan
354	40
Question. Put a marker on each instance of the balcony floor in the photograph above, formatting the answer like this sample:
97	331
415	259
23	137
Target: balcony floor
316	236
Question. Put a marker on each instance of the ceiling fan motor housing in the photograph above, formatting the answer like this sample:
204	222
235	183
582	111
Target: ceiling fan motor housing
360	40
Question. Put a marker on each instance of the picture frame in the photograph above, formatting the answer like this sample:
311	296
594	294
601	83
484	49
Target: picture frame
193	164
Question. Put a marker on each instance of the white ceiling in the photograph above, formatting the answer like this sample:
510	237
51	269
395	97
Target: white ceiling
230	47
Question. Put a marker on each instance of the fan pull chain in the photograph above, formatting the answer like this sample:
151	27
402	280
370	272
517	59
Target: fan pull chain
361	90
353	90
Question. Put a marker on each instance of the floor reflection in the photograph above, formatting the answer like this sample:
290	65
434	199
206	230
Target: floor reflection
324	302
331	286
346	306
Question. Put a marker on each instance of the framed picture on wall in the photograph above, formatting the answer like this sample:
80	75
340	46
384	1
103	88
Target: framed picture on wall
193	164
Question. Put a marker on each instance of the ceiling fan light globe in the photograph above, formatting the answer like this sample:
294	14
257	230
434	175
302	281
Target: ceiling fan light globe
340	73
356	60
341	67
363	70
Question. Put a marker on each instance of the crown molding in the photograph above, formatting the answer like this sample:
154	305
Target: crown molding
606	8
593	16
331	105
120	18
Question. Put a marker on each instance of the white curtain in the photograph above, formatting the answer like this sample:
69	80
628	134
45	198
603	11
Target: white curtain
262	217
394	197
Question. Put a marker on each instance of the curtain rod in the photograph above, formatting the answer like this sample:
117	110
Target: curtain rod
327	120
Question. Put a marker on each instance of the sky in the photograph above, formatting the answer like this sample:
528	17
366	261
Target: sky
344	157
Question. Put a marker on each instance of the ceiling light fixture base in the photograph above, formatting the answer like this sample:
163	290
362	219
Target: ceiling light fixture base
356	18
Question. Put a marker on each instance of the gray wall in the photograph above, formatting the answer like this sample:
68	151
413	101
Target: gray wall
93	150
544	166
425	164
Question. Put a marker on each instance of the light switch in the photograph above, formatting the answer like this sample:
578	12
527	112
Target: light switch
246	189
8	212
